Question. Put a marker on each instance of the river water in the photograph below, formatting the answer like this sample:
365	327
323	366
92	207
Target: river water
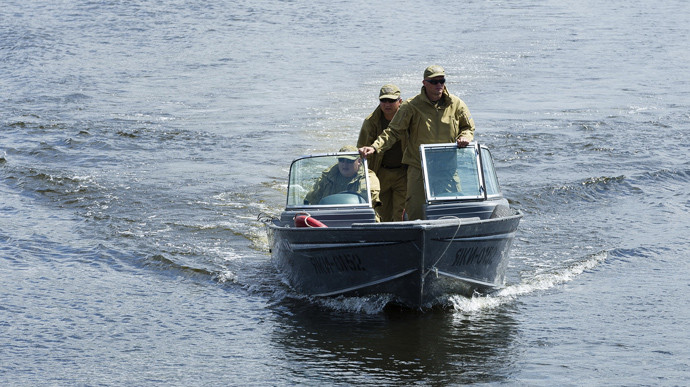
139	141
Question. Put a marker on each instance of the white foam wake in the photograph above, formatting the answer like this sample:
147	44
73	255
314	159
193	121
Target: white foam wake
540	282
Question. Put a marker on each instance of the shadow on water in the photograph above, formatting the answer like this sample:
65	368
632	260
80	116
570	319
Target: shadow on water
395	346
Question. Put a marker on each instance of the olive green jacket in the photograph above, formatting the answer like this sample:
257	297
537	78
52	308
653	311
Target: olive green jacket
332	182
371	129
421	122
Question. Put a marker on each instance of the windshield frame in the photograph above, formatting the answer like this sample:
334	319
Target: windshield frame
475	156
301	180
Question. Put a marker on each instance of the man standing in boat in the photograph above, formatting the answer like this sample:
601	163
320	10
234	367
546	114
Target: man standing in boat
433	116
388	166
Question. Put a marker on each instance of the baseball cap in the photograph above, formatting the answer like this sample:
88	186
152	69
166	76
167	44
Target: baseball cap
389	91
434	71
348	148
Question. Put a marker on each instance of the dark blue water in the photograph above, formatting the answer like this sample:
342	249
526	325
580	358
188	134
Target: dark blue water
139	142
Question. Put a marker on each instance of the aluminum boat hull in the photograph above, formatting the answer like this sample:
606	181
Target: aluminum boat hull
417	262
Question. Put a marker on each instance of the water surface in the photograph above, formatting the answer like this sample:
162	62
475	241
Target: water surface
139	143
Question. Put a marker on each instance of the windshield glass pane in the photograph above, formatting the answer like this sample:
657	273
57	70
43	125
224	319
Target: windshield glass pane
452	173
490	178
328	180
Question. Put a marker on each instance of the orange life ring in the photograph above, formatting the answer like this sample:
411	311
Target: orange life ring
307	221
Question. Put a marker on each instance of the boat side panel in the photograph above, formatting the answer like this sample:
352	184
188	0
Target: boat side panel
474	255
325	262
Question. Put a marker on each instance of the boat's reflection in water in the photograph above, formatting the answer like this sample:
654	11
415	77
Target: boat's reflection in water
395	346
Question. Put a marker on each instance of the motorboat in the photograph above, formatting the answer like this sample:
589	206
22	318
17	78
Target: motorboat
334	245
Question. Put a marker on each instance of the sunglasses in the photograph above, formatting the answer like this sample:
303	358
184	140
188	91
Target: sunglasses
436	81
388	100
346	161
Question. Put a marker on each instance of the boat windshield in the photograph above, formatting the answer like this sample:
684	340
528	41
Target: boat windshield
328	180
452	173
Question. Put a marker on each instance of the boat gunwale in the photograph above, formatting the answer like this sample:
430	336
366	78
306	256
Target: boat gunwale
422	224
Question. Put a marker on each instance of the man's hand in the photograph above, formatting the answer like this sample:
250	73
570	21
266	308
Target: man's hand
461	141
366	151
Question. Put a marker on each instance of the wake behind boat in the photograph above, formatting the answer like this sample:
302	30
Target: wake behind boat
332	245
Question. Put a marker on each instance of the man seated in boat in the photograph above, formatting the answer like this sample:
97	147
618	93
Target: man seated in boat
346	176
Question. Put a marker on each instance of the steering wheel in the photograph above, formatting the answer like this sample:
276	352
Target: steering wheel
345	197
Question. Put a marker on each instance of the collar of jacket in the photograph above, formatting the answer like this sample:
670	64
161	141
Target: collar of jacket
444	98
376	115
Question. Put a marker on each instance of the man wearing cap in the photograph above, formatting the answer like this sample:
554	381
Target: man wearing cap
388	166
345	176
433	116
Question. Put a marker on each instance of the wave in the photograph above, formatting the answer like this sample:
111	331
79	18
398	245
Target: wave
168	266
63	188
595	188
545	281
663	178
599	188
538	283
373	304
555	277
